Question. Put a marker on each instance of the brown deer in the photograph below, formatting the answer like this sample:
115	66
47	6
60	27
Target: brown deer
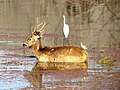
54	54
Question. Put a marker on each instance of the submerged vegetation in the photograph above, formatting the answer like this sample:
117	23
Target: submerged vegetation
107	62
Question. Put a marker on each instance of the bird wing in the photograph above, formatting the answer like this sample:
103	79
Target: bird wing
66	30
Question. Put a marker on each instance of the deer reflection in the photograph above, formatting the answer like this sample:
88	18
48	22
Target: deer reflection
38	76
35	78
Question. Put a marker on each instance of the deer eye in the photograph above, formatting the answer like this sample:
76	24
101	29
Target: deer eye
29	39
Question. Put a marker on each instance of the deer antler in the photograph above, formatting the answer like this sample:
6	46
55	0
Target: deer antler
37	26
42	26
31	28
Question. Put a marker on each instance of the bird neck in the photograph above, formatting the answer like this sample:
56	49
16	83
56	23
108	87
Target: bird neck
64	20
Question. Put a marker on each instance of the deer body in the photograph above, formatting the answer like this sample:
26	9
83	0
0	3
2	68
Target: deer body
54	54
61	54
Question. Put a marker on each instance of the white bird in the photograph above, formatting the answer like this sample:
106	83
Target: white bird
65	28
83	46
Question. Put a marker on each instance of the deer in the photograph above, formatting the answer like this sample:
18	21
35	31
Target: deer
63	54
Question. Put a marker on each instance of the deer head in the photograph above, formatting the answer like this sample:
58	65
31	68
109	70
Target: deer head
36	36
33	39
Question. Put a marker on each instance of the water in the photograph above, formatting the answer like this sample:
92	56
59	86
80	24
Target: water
16	72
95	30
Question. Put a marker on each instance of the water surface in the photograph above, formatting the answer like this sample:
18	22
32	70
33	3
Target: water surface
16	71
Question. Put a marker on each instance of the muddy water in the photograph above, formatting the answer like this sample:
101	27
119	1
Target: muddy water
16	71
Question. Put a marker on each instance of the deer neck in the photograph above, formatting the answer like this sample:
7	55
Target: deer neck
36	47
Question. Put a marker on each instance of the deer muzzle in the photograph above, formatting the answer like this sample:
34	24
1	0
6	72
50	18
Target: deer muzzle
24	45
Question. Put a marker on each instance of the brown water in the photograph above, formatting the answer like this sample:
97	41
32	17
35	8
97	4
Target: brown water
16	71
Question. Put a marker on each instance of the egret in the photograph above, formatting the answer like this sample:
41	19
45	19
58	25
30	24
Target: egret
83	46
65	28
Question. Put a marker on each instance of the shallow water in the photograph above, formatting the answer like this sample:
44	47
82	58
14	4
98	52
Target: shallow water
16	73
96	25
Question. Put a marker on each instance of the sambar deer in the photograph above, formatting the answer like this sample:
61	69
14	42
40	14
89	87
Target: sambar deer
54	54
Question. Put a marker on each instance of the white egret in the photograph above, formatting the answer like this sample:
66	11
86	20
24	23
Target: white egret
65	28
83	46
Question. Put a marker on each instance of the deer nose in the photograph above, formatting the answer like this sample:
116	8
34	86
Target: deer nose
24	45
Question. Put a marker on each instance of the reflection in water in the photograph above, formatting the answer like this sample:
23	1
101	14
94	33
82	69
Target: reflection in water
57	75
35	78
59	66
19	72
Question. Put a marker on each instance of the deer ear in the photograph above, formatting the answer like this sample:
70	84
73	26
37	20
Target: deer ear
41	33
